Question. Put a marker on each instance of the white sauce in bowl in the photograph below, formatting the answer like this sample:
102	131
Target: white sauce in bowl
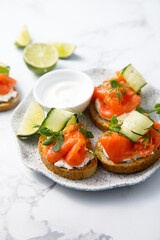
64	89
64	93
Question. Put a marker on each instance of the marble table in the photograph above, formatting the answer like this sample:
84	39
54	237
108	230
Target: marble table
107	34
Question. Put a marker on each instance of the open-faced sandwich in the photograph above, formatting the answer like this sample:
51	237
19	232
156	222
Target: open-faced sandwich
64	146
9	97
116	96
131	147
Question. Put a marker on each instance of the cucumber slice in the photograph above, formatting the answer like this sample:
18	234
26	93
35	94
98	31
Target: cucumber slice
138	123
133	77
73	119
57	119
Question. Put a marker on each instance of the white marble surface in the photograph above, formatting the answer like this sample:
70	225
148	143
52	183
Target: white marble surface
107	33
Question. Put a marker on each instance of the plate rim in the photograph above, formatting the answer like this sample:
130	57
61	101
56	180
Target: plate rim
63	183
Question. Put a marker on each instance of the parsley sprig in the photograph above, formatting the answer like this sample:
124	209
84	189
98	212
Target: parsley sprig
52	137
113	125
84	131
155	109
59	135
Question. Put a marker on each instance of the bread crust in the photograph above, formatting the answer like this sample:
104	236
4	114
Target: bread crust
75	173
137	166
13	102
100	122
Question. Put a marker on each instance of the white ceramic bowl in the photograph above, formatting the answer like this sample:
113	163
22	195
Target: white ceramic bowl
64	89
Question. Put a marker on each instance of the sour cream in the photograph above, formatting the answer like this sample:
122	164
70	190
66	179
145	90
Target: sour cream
64	93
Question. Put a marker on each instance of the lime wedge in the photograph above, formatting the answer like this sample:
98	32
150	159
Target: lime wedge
65	50
23	39
40	57
4	68
34	115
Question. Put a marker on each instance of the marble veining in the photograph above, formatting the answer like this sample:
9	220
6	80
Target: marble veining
109	35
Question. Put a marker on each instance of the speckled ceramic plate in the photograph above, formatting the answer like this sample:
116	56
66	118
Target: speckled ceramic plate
102	179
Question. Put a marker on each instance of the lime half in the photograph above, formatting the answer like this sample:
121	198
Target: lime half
23	39
4	68
34	115
40	57
65	50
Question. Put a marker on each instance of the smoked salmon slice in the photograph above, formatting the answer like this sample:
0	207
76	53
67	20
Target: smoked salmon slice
73	149
6	84
118	147
113	101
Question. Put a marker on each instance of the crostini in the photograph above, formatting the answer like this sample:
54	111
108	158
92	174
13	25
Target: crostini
64	145
9	97
73	159
132	147
117	95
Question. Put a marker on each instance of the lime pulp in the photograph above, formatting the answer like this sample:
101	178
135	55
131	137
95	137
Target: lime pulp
23	39
33	116
65	50
40	57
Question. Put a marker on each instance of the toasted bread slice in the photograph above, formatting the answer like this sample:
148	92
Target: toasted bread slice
137	166
100	122
13	102
75	173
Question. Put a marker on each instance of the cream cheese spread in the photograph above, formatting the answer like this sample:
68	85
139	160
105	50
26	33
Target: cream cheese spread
64	93
127	160
8	96
62	163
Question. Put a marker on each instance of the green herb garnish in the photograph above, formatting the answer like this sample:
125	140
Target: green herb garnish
114	124
156	109
86	134
95	153
59	142
84	131
45	131
146	137
52	137
114	120
115	128
59	135
49	140
115	86
158	130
